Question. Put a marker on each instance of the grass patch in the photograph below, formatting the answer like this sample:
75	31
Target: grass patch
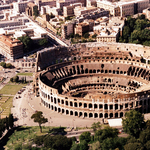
11	89
25	74
25	135
6	104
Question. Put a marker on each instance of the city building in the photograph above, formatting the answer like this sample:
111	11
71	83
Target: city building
30	8
10	48
109	31
62	3
20	6
81	28
67	29
78	11
124	8
51	10
69	10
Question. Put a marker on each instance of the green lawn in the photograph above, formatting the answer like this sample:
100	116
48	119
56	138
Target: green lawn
6	106
25	74
25	135
11	88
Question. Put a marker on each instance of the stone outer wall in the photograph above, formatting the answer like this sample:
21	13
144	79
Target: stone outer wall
95	60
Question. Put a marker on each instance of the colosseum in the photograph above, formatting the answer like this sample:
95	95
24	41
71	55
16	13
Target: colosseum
94	80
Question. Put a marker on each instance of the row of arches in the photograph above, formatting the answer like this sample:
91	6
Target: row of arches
72	70
82	114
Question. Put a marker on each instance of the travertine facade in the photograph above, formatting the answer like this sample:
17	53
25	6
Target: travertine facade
95	80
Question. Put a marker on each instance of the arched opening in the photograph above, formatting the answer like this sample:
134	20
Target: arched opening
95	106
121	114
49	106
106	115
111	115
85	114
71	104
75	104
67	103
116	115
101	115
85	105
71	112
67	112
106	106
59	110
55	100
52	99
55	108
63	111
62	101
78	70
94	71
52	107
80	104
86	70
100	106
116	106
80	114
95	115
90	115
76	113
90	105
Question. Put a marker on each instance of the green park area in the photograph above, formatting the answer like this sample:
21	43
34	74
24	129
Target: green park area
6	97
11	88
5	105
25	74
24	135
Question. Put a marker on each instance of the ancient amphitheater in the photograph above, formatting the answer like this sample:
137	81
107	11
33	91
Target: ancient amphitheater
94	80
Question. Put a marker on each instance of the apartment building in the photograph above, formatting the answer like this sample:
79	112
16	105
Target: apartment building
69	10
124	8
109	31
82	28
62	3
4	7
67	29
50	10
20	6
10	48
78	11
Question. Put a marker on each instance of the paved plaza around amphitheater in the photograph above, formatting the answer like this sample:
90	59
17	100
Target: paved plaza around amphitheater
27	104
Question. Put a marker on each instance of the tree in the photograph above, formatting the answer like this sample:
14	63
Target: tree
27	43
57	142
8	65
134	146
94	36
144	136
3	64
95	146
107	132
15	79
133	123
86	35
43	42
96	126
39	118
85	136
83	145
11	121
35	11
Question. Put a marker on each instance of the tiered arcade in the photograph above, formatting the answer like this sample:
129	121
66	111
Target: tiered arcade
100	81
